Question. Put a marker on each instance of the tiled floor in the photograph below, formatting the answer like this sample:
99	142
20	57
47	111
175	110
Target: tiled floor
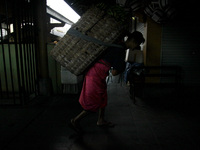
147	125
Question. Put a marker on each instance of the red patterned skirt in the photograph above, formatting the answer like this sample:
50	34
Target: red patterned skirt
94	91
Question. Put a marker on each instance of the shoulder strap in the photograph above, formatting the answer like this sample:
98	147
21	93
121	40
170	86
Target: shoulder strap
76	33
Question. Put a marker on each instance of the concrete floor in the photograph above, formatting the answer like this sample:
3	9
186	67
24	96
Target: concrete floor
150	124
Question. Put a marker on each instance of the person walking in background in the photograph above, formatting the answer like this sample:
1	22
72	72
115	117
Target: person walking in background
134	58
93	96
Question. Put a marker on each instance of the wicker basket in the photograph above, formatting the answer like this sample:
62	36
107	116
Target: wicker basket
76	53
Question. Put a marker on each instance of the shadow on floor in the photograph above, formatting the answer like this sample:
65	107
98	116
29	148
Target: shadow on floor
151	123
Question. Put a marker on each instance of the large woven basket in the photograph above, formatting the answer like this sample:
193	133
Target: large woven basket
76	51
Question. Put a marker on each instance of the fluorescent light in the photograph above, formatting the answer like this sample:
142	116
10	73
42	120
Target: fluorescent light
64	9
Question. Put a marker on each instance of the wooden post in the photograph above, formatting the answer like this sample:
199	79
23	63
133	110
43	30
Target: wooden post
45	83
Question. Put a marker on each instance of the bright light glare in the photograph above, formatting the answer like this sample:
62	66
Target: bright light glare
63	8
60	31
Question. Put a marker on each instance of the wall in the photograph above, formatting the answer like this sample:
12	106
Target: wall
152	47
54	71
181	46
153	43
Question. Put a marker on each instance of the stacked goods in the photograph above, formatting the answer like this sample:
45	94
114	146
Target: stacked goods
161	11
87	39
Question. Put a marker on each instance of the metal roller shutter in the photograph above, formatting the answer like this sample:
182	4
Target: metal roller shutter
180	46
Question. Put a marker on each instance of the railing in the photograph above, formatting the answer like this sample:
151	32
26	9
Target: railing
18	69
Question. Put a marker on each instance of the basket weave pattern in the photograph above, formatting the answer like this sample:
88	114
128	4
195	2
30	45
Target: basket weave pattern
75	53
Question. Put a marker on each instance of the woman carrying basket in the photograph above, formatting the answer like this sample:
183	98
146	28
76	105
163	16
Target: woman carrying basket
93	96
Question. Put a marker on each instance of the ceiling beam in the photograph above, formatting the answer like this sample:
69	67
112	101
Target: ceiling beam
54	14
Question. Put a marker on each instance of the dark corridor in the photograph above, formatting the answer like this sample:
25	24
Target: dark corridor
150	124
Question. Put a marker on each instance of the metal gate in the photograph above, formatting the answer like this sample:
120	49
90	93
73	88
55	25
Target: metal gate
18	69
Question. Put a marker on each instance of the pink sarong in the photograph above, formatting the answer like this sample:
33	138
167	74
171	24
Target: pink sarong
94	91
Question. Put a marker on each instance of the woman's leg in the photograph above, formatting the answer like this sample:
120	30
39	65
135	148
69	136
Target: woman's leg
80	116
75	122
101	116
101	121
